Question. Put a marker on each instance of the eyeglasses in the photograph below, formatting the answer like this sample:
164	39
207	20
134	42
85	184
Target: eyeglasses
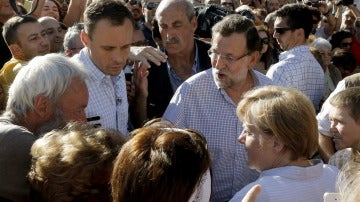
228	58
152	5
344	44
227	4
265	40
282	30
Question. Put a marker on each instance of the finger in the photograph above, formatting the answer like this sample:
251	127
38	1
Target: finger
252	194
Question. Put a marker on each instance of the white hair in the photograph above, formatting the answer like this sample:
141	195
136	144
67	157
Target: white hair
321	43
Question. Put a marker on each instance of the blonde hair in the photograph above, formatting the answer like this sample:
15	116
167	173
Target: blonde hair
285	113
73	163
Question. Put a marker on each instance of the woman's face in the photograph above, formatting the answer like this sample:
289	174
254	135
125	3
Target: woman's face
50	9
264	37
259	147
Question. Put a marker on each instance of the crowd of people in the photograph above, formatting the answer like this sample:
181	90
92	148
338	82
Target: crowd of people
179	100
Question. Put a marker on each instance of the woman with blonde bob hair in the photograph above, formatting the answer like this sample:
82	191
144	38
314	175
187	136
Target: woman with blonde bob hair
280	136
161	164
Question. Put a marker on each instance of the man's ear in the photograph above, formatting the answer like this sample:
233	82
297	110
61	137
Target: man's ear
16	51
42	107
253	59
85	38
194	23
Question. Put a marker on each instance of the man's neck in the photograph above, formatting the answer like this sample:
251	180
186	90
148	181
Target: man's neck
236	92
182	63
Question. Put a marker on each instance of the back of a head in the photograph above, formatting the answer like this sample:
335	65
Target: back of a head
71	37
74	163
10	28
285	113
298	16
160	164
49	75
239	24
112	10
321	43
350	99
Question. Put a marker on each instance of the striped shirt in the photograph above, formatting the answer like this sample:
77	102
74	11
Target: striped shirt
298	68
202	105
107	96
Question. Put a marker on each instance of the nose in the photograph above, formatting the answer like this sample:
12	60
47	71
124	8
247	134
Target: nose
242	138
218	62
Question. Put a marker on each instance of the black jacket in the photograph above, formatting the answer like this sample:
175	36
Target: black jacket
160	91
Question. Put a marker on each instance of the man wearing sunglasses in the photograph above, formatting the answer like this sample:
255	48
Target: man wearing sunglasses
148	11
297	67
135	7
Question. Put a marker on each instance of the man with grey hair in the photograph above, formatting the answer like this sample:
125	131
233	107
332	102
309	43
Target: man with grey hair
207	102
72	41
186	57
47	93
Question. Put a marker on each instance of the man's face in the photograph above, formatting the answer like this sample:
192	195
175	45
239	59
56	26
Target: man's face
176	29
228	4
344	128
285	38
272	5
33	40
70	107
135	8
54	33
6	11
229	73
109	45
149	9
50	9
348	20
73	102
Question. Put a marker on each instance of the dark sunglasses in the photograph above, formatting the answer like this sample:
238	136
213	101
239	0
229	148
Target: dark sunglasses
133	2
282	30
344	44
227	4
62	1
265	40
152	5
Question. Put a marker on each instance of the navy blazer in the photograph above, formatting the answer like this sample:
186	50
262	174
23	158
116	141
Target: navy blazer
159	86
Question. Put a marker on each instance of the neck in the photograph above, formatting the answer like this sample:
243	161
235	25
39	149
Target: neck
182	63
236	92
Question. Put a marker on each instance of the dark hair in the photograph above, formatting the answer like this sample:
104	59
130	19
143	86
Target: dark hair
160	164
114	11
11	26
239	24
338	36
344	60
298	16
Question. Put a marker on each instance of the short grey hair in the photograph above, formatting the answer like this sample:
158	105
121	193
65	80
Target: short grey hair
49	75
189	7
70	37
321	43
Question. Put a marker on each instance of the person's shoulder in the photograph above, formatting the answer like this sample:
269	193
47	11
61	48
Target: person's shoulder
263	80
14	133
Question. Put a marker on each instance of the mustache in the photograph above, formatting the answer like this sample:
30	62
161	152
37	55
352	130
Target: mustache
172	41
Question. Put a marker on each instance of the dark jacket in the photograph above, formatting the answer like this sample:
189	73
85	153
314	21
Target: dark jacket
160	91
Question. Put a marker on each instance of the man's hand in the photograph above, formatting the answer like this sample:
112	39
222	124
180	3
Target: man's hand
146	54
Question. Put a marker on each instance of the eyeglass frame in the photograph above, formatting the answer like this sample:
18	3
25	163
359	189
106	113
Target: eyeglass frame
345	44
282	30
151	5
227	58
